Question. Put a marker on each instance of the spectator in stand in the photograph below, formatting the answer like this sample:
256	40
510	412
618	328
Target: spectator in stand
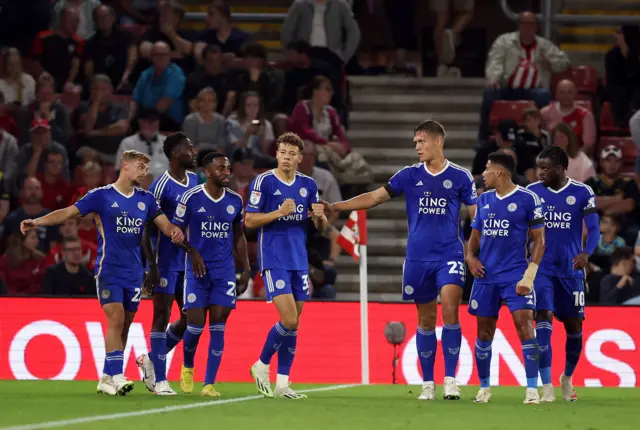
92	178
31	208
506	138
249	128
56	189
140	12
46	107
69	231
4	202
166	29
59	52
32	155
447	39
622	68
634	126
69	277
533	135
7	121
622	284
23	265
519	67
17	87
110	51
85	8
160	87
100	123
148	141
9	161
616	194
214	76
581	166
516	178
241	171
327	25
328	187
207	129
257	77
565	110
220	32
610	227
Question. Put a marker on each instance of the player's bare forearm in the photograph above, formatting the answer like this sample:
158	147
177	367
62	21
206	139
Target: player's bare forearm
471	210
473	247
258	219
57	217
539	245
322	225
364	201
240	247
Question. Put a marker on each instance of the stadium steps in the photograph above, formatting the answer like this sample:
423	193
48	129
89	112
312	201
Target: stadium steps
385	111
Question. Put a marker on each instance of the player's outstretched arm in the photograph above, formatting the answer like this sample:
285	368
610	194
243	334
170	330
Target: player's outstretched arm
241	253
259	219
320	220
525	285
168	229
54	218
475	265
363	201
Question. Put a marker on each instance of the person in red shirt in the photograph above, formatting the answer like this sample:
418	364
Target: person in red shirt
56	190
69	231
92	178
22	266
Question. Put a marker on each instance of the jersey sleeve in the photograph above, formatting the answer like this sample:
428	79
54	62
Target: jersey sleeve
257	198
397	183
156	190
535	215
239	212
468	193
314	196
91	202
154	207
183	212
589	202
476	222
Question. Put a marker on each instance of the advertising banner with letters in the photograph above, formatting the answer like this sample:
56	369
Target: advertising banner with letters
64	339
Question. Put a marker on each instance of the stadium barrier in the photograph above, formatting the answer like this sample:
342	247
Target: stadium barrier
64	339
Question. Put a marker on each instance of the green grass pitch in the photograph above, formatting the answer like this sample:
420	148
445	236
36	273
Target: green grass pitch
31	405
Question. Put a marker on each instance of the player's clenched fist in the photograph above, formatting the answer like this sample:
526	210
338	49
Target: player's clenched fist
317	210
27	224
288	207
176	234
476	267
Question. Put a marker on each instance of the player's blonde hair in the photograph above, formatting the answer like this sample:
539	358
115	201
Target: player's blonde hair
133	155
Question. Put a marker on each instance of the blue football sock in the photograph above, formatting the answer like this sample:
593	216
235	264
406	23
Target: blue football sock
530	355
451	340
427	345
158	354
573	349
190	343
543	334
483	362
216	347
105	368
115	362
276	336
287	352
172	339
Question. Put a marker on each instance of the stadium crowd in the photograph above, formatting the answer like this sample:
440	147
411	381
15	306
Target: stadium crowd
80	88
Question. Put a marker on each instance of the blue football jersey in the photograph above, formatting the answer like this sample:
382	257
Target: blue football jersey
504	223
120	221
433	209
168	193
282	243
209	225
564	212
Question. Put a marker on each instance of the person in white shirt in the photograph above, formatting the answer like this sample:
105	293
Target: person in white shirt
17	87
149	141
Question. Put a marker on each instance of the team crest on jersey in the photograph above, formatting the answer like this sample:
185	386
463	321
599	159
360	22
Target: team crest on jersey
105	294
231	210
255	197
571	200
180	210
512	207
279	284
474	304
191	298
408	290
164	282
141	206
447	184
303	192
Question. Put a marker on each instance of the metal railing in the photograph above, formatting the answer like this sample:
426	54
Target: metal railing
548	18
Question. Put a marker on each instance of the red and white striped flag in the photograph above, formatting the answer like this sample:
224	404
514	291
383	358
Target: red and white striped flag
354	234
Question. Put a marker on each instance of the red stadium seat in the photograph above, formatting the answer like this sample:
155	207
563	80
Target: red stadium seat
608	122
626	144
585	78
585	104
503	109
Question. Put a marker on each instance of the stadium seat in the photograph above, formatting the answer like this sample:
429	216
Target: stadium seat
626	144
585	78
503	109
608	122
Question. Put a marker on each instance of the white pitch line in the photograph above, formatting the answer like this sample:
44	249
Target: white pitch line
53	424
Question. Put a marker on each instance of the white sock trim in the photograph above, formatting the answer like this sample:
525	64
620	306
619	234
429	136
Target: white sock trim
282	381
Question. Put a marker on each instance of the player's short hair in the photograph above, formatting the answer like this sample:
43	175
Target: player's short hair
504	160
621	254
432	127
290	139
133	155
208	159
171	142
556	155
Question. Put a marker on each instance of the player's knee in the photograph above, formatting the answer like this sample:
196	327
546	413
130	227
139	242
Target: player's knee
546	316
290	322
524	327
573	326
427	321
160	320
485	334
